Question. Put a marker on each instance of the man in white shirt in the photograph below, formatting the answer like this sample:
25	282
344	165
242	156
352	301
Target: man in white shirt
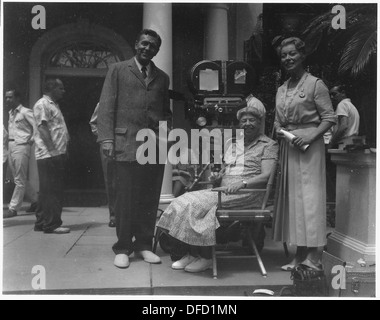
348	116
51	146
21	127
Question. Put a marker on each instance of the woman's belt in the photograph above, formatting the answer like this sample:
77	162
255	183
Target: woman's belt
296	126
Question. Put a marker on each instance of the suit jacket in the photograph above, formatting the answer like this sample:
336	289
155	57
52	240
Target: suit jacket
94	121
129	103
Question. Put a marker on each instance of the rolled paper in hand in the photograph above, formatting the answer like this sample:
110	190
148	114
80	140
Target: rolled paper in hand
290	137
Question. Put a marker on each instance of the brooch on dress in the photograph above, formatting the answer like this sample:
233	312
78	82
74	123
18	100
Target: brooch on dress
302	95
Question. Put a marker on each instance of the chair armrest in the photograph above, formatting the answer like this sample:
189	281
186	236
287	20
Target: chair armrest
200	183
241	191
222	189
206	183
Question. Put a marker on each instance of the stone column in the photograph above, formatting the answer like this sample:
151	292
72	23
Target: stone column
355	221
158	17
349	261
215	38
216	32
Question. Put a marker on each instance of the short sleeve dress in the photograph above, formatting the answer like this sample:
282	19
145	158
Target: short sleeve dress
300	209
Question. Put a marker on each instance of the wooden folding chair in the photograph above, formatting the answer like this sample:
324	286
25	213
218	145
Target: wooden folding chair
250	219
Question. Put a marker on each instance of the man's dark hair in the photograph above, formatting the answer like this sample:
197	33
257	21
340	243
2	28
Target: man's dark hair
16	93
341	88
149	32
50	84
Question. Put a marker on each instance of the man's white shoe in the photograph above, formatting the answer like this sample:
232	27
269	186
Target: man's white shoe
59	230
148	256
121	261
199	265
182	263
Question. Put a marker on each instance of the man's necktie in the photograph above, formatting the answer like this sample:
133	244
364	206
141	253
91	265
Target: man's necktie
143	71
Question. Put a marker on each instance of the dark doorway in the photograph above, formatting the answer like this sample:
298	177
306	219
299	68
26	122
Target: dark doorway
83	168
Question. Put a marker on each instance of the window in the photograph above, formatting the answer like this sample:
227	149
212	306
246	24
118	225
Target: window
84	55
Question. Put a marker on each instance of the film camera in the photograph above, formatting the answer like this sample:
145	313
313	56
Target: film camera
219	89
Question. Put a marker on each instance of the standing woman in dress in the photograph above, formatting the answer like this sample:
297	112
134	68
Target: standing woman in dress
303	107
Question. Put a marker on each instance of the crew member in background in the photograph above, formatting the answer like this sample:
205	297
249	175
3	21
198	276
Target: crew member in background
348	116
51	139
108	165
21	128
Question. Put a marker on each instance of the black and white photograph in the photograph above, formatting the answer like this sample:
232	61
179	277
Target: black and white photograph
189	150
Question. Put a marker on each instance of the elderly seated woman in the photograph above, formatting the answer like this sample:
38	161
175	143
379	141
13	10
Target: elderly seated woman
191	217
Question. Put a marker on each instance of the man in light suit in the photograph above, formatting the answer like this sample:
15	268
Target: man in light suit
135	96
21	127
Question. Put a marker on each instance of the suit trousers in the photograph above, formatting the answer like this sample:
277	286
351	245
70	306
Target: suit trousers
138	189
109	168
19	155
50	198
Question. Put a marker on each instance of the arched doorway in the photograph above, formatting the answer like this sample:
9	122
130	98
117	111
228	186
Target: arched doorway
79	54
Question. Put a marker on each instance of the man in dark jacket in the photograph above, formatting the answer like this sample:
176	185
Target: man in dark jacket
135	96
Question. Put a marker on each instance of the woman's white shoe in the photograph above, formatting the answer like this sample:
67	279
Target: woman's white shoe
199	265
182	263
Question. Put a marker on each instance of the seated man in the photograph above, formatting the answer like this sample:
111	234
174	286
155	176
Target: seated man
191	217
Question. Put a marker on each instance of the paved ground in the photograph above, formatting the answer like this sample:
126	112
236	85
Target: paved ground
82	263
